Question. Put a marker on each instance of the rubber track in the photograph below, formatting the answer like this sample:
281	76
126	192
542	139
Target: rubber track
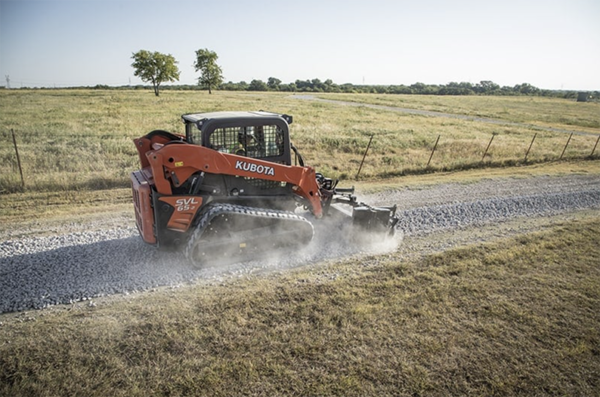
213	210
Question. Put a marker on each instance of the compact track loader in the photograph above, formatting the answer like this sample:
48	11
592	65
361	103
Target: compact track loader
227	189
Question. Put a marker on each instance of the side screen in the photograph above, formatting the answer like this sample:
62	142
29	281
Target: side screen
251	141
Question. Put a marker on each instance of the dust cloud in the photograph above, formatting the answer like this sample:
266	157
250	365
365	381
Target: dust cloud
333	238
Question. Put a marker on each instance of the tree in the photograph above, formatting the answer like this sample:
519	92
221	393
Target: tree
486	87
211	74
258	85
526	89
274	83
155	67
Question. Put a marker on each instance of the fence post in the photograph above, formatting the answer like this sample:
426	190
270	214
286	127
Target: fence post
568	140
364	156
527	154
18	158
433	151
488	147
594	149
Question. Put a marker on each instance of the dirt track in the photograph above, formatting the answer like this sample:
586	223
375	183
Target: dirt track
74	265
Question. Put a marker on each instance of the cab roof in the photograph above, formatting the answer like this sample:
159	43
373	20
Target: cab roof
201	118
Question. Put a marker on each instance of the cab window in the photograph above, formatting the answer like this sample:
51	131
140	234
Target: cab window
250	141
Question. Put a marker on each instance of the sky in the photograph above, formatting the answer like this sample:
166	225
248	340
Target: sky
551	44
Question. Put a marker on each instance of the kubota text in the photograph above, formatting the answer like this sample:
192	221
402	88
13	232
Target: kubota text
251	167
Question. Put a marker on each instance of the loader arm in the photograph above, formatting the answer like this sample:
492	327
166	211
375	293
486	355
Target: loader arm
173	163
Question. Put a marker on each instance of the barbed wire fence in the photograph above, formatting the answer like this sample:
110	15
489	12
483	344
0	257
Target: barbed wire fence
482	163
20	169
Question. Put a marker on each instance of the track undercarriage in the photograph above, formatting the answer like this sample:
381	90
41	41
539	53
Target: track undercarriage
226	232
231	233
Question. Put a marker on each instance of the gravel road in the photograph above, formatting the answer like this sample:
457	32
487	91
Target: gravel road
75	266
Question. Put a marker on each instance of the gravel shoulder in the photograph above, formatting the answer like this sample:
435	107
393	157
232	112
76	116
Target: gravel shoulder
106	256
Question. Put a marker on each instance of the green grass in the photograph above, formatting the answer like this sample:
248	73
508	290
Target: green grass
517	317
82	139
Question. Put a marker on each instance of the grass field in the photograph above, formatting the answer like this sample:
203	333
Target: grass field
549	112
81	139
517	317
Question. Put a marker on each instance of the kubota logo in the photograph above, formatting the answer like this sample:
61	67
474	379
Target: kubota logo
251	167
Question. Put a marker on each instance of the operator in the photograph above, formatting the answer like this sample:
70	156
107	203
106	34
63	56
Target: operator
246	145
238	147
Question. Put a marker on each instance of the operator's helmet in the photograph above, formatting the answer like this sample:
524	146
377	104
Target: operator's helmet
244	134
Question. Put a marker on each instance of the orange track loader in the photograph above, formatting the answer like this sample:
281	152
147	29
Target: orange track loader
228	189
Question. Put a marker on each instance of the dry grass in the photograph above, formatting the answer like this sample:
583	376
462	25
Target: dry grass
42	213
514	318
575	167
81	139
547	112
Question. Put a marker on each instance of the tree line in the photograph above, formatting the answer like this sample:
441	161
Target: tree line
301	86
315	86
463	88
157	68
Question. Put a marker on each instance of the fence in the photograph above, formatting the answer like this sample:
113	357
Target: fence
61	161
526	153
486	152
87	161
